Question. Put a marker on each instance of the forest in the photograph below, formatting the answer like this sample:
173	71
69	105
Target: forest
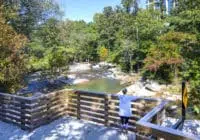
165	48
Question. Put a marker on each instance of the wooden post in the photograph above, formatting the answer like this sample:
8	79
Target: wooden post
163	115
106	103
22	118
48	109
78	106
3	107
157	119
160	116
32	126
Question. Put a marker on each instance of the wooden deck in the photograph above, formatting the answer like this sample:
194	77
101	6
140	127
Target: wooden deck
65	128
32	112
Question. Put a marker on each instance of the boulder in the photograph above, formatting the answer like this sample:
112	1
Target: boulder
77	67
198	130
79	81
96	67
71	76
153	86
172	108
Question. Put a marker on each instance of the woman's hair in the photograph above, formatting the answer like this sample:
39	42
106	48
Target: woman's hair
124	91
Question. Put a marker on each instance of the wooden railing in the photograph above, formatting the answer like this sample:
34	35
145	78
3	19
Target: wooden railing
150	125
103	108
32	112
14	109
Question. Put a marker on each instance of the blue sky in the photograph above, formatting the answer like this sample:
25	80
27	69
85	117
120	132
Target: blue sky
85	9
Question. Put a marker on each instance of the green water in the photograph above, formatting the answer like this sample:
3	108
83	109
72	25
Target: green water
100	85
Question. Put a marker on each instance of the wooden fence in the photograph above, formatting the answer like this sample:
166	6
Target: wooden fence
32	112
14	109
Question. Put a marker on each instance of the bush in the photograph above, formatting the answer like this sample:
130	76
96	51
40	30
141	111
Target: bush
164	75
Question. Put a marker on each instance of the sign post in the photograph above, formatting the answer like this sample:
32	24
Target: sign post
179	124
184	100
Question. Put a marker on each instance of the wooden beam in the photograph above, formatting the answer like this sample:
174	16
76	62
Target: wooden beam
164	132
153	112
78	107
179	123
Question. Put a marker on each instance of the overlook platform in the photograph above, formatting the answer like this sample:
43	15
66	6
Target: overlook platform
67	114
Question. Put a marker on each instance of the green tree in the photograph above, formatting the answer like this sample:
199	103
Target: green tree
168	54
43	41
59	59
48	33
103	53
131	5
108	11
81	37
135	37
29	14
107	29
186	18
12	63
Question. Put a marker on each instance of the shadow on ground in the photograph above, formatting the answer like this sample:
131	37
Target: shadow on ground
66	128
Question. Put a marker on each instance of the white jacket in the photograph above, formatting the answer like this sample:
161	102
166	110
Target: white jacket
125	105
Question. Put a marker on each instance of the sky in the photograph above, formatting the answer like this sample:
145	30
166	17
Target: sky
85	9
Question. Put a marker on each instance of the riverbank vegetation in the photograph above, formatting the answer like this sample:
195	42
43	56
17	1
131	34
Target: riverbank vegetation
159	46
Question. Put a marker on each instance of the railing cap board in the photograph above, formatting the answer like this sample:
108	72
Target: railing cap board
167	133
35	98
154	111
161	131
114	95
20	98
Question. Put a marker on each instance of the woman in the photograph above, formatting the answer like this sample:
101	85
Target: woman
125	111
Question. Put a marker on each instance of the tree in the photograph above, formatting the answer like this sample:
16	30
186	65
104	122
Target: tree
107	29
12	63
186	19
103	53
108	11
48	32
168	54
59	59
81	37
138	34
185	5
29	14
43	41
130	5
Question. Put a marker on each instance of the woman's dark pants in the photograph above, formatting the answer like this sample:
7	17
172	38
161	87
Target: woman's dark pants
124	120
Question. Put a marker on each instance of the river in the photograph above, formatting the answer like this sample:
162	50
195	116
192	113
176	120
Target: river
98	80
100	85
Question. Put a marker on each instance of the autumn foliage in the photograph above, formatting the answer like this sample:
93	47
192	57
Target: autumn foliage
169	50
103	53
11	56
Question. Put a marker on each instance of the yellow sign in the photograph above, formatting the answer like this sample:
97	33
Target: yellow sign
185	97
